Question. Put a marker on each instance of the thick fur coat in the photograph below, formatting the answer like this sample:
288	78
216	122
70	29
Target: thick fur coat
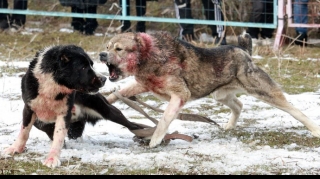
60	92
177	71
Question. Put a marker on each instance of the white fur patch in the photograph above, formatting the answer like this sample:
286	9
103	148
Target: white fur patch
45	105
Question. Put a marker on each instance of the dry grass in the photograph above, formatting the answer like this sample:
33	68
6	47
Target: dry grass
296	69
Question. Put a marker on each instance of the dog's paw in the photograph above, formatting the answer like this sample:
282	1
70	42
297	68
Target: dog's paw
316	133
229	126
52	161
155	142
10	151
4	154
156	139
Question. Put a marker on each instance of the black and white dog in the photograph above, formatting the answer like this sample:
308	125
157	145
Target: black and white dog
60	92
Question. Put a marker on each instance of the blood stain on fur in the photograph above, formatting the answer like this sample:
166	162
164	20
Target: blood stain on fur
155	83
132	63
147	46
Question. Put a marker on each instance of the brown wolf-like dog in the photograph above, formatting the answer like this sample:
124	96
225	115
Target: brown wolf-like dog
178	71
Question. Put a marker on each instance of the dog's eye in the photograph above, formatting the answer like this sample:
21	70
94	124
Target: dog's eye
118	49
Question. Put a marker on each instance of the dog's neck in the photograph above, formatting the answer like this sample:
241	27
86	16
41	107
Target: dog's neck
49	88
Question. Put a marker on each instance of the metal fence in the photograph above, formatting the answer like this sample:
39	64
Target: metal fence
237	13
285	18
234	9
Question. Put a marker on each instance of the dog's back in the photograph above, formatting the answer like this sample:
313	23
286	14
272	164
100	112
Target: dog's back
178	71
203	69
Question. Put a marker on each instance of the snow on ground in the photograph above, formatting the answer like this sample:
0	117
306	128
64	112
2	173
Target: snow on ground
213	151
110	144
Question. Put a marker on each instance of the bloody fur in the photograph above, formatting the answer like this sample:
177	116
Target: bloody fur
178	71
60	93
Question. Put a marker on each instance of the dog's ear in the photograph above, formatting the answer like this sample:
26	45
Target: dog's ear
149	48
145	44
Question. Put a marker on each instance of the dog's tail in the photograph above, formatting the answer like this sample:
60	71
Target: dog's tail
245	42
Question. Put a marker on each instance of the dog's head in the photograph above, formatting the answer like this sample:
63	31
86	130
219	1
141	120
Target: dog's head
71	66
124	52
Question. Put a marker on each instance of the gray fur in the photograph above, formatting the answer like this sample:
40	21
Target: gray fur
177	71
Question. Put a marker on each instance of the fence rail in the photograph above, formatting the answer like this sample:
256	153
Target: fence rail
146	18
282	15
285	13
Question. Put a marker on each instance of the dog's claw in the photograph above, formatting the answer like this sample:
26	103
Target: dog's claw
52	162
10	151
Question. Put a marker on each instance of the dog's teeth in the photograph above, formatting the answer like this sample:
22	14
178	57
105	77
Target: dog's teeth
108	63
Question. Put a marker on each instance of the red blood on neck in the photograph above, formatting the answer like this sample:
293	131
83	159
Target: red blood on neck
146	45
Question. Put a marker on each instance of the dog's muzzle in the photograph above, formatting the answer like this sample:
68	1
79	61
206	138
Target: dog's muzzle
102	80
114	71
103	57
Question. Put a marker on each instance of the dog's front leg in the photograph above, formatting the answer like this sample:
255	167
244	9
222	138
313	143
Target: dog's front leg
60	132
171	112
131	89
19	145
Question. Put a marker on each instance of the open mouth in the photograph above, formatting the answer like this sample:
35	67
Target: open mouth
114	72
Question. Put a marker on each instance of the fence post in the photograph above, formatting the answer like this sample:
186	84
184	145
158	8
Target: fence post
281	13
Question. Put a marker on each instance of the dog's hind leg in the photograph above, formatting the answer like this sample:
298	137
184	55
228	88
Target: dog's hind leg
277	99
48	128
227	96
261	86
76	129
